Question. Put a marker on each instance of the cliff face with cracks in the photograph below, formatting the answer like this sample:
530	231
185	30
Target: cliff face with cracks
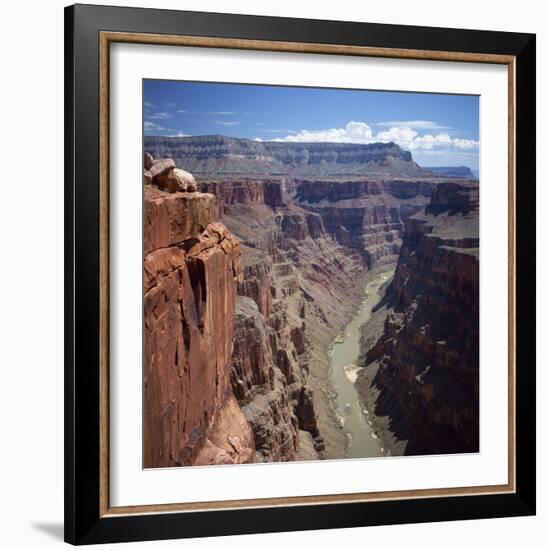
192	265
421	377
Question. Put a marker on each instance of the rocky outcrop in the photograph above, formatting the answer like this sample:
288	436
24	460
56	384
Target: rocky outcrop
270	398
225	381
247	191
224	156
421	377
169	219
192	266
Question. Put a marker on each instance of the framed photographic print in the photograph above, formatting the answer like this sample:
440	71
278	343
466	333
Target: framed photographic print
299	274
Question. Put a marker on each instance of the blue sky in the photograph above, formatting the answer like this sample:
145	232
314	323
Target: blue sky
439	130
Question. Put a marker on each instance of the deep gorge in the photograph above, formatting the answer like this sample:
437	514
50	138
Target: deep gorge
261	274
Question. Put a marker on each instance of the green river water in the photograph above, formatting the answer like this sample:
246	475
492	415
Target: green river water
344	352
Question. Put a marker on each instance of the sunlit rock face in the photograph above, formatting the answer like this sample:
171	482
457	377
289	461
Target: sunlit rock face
192	266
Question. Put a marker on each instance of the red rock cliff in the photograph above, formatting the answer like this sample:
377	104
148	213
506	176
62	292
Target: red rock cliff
192	265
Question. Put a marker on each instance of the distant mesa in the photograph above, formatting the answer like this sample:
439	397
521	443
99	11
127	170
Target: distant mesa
220	156
452	171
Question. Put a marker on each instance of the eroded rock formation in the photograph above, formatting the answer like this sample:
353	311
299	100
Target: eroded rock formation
421	377
305	285
366	215
238	320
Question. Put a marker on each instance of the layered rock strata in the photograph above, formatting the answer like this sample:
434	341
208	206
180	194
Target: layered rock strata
308	245
366	215
420	379
192	265
238	320
299	289
223	156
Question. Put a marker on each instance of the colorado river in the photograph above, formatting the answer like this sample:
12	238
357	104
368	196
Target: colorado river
344	354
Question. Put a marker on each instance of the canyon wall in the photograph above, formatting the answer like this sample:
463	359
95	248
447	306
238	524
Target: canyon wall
223	156
307	246
366	215
420	380
227	378
298	288
239	316
192	265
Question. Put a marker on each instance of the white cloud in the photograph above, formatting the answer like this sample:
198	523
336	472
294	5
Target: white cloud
148	105
354	132
181	111
228	122
438	141
170	105
229	113
156	129
397	134
159	116
404	136
418	124
278	131
151	126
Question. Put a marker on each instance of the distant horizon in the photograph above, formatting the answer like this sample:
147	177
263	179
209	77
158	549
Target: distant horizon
438	130
474	170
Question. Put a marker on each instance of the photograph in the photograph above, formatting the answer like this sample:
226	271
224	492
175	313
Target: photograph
299	274
310	273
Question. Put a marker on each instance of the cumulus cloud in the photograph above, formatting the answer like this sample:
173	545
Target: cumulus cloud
353	132
405	136
397	134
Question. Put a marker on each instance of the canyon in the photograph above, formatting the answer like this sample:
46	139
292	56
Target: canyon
420	381
253	268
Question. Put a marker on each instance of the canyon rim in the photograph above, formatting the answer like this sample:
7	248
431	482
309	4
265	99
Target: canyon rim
310	274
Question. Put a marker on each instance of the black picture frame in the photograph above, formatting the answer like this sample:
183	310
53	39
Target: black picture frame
84	523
